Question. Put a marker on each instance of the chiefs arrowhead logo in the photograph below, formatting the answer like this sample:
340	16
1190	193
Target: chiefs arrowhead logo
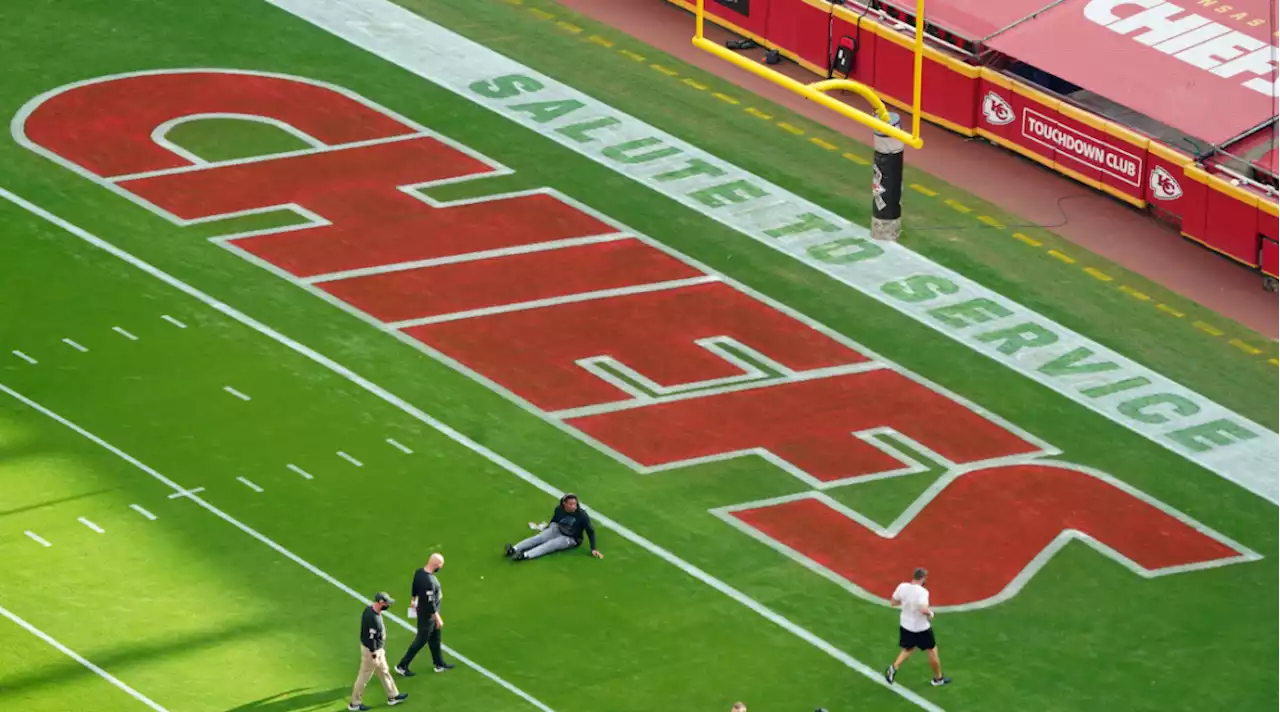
996	110
1163	185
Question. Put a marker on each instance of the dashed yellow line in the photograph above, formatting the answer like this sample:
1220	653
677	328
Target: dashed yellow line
597	39
1273	362
631	55
1170	310
1134	293
857	159
515	2
1208	328
794	130
990	221
958	206
1098	274
923	190
1030	241
726	98
568	27
695	85
1247	348
1061	256
823	144
663	70
541	14
757	113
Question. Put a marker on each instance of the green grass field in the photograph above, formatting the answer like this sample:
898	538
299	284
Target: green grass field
244	596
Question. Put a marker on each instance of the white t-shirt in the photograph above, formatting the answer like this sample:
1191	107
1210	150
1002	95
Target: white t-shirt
913	598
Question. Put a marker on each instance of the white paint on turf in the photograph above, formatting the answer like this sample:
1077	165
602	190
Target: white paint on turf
124	333
236	393
350	459
91	525
201	502
138	508
399	447
76	657
249	484
173	321
37	538
760	609
25	357
75	345
305	475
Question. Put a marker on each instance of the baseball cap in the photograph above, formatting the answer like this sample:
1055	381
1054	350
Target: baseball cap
384	597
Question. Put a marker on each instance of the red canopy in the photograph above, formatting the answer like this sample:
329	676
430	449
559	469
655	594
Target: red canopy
972	19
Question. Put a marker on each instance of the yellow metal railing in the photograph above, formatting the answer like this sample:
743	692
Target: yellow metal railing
815	92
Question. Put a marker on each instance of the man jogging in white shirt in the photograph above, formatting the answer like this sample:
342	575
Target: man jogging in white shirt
914	629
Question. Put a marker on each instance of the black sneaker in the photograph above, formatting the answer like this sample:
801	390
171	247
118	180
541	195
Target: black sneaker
940	681
518	556
404	671
446	666
509	551
890	674
358	708
397	699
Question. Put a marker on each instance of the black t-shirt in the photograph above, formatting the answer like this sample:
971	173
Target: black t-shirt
373	633
426	588
573	524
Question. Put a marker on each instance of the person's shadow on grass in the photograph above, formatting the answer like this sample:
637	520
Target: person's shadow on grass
297	700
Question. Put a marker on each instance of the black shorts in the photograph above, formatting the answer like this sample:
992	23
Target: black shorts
923	640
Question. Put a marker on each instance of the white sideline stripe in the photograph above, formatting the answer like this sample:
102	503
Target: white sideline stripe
236	393
166	317
180	492
249	484
91	525
300	471
25	357
76	657
399	447
553	301
466	257
350	459
39	539
143	512
75	346
124	333
411	410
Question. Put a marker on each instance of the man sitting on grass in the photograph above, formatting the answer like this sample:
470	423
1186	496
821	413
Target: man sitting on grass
568	522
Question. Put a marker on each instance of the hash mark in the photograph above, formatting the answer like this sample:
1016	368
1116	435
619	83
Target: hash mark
597	39
1062	256
631	55
923	190
399	447
236	393
143	512
796	130
300	471
25	357
757	113
696	85
824	145
37	538
1098	274
75	346
568	27
958	206
91	525
663	70
726	98
1170	310
541	14
173	321
990	221
1029	240
1208	329
1247	348
1134	293
124	333
350	459
249	484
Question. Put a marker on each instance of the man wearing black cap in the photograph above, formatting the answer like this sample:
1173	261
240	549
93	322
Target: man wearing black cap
373	658
568	523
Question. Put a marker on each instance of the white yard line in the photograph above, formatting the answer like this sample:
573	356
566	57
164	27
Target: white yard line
124	333
75	346
300	471
138	508
37	538
76	657
350	459
180	492
184	493
91	525
249	484
236	393
760	609
399	447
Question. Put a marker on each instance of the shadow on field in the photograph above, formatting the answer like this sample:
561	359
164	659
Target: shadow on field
296	700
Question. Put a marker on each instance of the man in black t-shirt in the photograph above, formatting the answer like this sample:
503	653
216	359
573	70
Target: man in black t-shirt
426	606
373	657
568	523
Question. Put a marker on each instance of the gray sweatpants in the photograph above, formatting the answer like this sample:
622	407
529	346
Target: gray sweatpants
547	541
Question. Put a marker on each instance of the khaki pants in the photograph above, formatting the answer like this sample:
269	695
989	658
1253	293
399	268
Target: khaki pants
370	664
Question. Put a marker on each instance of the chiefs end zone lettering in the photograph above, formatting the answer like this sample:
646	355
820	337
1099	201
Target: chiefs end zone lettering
638	350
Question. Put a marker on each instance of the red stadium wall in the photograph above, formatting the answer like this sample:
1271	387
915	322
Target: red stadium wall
1232	220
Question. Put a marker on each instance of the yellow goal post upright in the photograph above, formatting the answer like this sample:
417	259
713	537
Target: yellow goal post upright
890	139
